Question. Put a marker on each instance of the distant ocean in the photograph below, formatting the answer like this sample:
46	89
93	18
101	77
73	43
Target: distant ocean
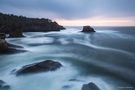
106	57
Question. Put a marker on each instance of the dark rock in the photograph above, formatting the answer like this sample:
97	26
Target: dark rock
90	86
76	80
14	46
2	36
88	29
47	65
4	86
3	45
16	25
16	34
6	48
67	87
51	26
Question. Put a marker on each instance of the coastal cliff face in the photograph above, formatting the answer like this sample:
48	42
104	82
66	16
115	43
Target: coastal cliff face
16	25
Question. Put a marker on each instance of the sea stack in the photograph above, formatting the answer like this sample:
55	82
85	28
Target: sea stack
88	29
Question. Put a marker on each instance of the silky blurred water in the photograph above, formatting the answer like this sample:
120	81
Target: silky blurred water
105	57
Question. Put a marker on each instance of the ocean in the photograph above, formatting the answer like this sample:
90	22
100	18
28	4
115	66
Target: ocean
106	58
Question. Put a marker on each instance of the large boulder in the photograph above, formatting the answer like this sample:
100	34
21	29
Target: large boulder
47	65
4	86
90	86
88	29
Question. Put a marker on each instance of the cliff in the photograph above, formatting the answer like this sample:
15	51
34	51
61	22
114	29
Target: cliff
15	25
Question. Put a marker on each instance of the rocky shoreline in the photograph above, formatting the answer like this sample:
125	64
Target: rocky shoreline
7	48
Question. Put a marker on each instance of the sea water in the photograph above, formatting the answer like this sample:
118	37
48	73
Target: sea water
106	58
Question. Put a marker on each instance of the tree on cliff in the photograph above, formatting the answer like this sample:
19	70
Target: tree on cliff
11	23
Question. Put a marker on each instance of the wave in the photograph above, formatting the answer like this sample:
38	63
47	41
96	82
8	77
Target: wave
101	55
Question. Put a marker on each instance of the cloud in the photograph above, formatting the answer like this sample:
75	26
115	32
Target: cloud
69	9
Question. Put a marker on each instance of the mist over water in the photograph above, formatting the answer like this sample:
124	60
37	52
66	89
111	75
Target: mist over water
105	57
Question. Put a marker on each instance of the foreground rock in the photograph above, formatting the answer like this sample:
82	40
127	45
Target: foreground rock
90	86
44	66
88	29
4	86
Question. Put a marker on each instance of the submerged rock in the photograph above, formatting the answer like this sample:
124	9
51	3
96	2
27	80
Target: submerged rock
90	86
47	65
88	29
76	80
67	87
4	86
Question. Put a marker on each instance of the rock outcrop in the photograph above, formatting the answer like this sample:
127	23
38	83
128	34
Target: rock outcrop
16	34
88	29
4	86
7	48
3	46
16	25
90	86
44	66
2	36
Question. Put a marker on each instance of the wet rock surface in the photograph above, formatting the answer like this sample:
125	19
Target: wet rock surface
7	48
76	80
90	86
2	36
67	87
44	66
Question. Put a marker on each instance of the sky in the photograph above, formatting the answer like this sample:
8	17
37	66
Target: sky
75	12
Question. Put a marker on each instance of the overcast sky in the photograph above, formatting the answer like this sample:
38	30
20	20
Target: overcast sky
73	10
